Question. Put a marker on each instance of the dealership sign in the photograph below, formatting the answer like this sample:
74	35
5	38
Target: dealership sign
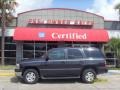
64	22
64	36
69	36
60	34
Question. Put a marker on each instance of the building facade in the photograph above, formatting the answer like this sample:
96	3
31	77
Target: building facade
34	32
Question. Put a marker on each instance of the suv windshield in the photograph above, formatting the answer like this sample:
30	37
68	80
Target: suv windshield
95	53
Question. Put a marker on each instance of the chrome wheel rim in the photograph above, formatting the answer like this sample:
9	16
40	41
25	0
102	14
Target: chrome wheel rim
30	77
89	76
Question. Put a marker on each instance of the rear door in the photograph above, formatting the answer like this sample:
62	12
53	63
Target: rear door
74	62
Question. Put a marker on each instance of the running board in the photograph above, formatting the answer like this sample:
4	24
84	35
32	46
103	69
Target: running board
59	77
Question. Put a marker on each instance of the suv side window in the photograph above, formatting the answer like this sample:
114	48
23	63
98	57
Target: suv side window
56	54
74	54
94	53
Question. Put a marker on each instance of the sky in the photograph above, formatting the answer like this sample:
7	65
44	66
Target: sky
103	8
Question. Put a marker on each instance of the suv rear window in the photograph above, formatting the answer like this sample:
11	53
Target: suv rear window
95	53
74	54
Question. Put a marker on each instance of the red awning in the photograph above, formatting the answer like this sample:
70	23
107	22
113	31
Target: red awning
60	34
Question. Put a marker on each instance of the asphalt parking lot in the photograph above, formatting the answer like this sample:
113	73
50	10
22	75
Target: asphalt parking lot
105	82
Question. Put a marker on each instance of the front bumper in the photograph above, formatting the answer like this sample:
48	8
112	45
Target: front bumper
18	73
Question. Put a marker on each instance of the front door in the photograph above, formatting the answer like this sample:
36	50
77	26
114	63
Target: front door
55	65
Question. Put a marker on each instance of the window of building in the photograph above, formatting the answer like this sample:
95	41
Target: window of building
0	60
9	40
10	53
39	54
10	46
51	45
74	54
28	46
40	46
28	54
0	53
34	49
10	61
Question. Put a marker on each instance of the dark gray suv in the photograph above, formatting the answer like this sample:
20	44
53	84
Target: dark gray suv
63	63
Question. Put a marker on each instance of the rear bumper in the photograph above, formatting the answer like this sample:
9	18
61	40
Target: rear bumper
102	70
18	72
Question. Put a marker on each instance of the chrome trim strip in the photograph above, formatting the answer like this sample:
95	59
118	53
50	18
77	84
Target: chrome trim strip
68	60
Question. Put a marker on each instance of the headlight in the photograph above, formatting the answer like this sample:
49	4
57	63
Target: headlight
17	66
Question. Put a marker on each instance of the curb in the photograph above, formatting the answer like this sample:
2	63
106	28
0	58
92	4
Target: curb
114	71
7	73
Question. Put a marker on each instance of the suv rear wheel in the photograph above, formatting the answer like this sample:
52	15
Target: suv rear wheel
30	76
88	76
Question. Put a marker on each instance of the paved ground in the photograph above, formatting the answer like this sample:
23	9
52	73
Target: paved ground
106	82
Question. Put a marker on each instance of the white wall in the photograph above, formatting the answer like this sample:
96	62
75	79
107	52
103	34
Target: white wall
114	33
8	32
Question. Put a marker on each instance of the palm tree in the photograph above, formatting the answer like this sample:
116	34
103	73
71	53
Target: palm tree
117	7
7	8
114	46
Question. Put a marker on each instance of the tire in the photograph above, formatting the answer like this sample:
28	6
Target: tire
88	76
30	76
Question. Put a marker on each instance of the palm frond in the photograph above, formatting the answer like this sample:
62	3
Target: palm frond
10	6
117	6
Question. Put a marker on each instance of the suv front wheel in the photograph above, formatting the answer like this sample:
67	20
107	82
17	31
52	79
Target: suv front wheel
30	76
88	76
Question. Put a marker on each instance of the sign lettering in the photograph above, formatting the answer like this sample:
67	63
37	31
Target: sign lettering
64	22
69	36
